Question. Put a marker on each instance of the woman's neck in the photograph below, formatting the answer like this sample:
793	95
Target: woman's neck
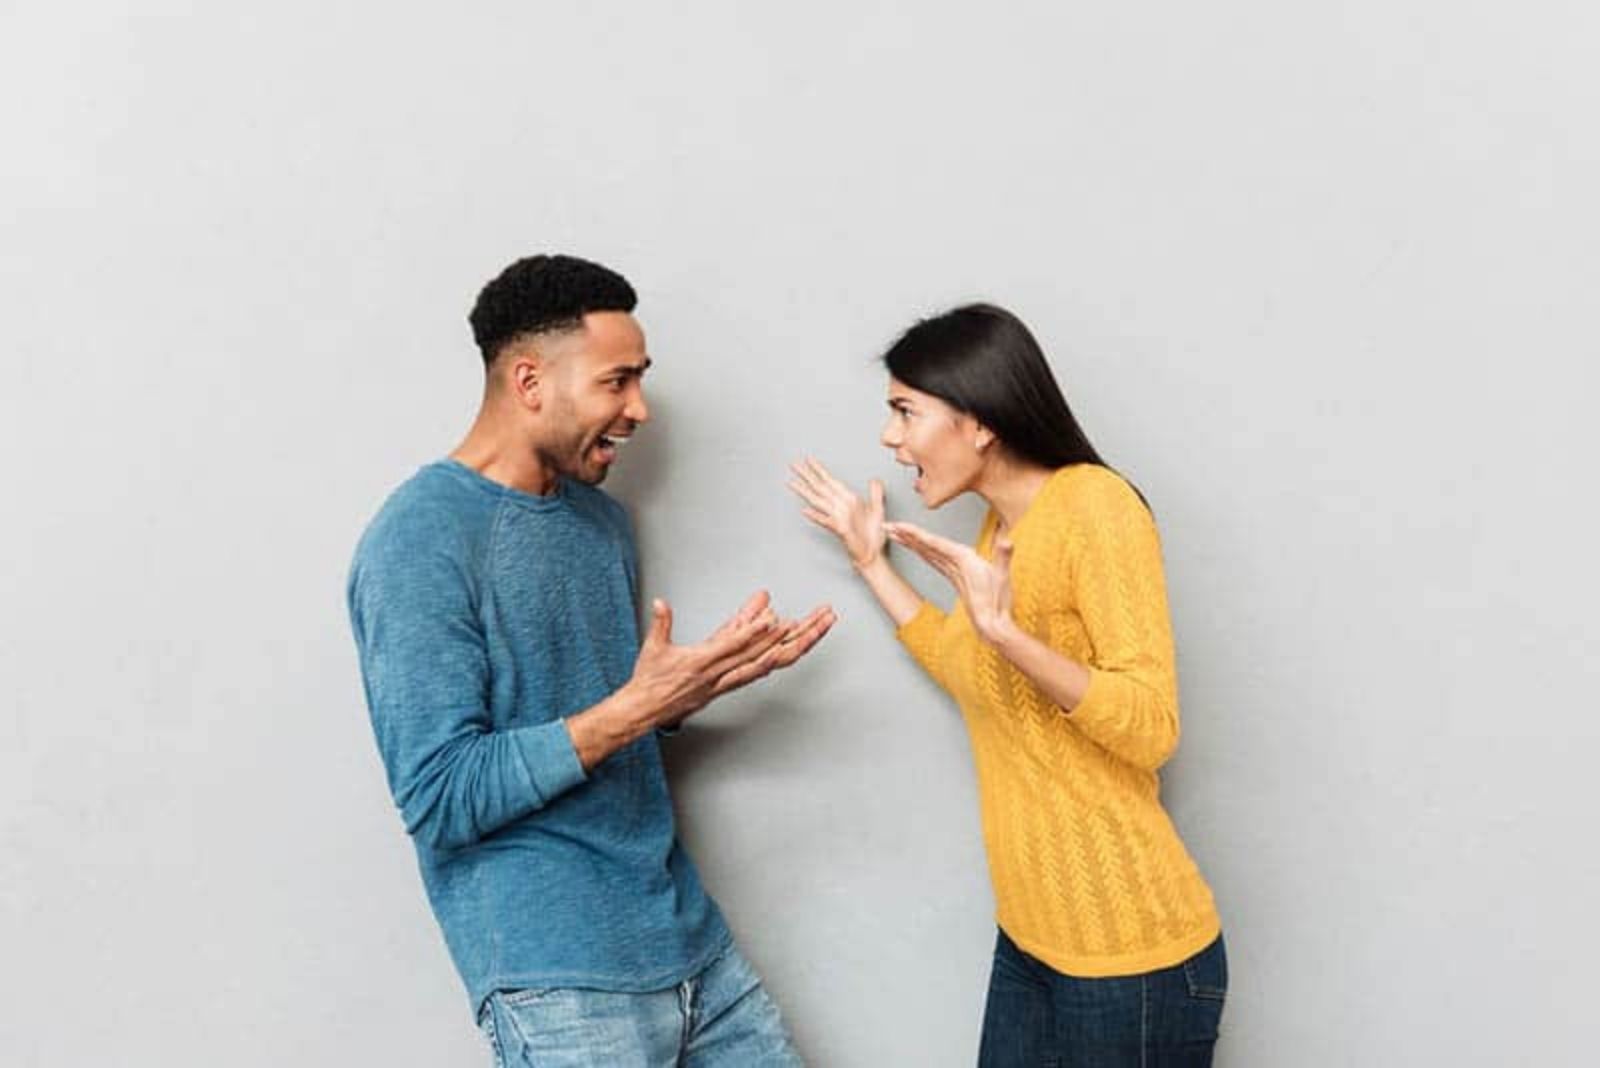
1010	486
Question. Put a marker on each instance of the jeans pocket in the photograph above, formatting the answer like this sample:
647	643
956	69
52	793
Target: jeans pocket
1207	972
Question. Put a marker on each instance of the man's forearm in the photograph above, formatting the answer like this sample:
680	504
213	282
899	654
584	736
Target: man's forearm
613	724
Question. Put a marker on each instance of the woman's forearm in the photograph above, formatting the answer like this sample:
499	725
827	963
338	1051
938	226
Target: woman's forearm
894	593
1059	677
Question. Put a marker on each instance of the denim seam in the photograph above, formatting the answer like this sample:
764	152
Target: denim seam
1144	1021
486	1024
686	998
1197	989
525	996
516	1029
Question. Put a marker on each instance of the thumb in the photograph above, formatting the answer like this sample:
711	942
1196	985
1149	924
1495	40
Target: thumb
660	624
1002	553
875	489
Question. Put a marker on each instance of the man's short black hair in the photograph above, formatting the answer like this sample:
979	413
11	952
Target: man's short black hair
538	294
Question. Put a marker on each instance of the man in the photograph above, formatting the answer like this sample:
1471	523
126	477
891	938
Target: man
493	600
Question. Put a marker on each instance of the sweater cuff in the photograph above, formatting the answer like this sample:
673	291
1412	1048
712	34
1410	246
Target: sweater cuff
920	636
1088	710
920	627
551	759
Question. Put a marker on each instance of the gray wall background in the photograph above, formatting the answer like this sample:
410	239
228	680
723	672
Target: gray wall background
1319	277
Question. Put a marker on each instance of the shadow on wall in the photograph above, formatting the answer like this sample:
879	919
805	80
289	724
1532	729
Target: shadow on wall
637	482
765	736
642	467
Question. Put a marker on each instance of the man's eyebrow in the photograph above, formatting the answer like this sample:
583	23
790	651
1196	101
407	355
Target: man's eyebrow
628	368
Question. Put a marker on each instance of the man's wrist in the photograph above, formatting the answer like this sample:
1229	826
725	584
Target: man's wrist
615	722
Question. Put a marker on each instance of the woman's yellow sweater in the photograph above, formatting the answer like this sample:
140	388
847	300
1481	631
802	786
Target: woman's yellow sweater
1089	875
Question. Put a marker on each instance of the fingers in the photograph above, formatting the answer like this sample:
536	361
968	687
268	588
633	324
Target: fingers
740	676
925	537
799	638
913	538
808	493
753	606
748	612
820	487
925	543
821	519
753	642
808	482
927	546
805	634
875	495
754	618
660	632
812	470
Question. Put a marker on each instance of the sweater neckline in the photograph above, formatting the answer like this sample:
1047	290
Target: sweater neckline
991	521
557	498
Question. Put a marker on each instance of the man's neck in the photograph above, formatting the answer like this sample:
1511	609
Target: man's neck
500	456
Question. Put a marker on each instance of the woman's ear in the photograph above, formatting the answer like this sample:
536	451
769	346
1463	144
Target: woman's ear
982	437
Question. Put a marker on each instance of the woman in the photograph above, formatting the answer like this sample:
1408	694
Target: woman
1060	655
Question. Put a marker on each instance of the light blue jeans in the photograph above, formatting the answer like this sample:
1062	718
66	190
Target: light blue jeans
721	1018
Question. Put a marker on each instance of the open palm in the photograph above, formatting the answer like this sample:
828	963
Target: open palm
984	586
857	522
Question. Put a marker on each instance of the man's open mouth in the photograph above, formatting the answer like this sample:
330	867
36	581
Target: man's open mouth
607	445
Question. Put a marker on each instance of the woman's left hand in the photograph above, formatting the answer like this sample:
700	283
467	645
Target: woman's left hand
983	585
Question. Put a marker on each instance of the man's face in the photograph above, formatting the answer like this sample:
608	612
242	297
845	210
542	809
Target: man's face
593	395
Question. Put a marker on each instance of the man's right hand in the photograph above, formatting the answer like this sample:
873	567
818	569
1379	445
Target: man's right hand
678	680
672	682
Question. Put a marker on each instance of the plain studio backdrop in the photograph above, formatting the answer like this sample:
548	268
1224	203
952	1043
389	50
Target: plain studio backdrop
1319	278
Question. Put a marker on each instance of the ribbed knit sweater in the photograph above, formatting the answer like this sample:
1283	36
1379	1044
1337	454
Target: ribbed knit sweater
1089	874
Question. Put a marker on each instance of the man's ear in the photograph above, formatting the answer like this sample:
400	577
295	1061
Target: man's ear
525	377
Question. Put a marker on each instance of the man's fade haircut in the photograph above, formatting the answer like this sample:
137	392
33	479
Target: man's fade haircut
540	294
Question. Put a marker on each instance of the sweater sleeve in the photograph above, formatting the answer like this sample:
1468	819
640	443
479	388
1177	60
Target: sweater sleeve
1119	590
920	636
425	667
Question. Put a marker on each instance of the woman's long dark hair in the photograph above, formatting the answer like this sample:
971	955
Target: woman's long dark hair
981	359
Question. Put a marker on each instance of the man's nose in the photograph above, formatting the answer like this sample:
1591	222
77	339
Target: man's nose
637	410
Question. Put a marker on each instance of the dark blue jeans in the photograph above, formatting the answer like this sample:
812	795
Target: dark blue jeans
1038	1018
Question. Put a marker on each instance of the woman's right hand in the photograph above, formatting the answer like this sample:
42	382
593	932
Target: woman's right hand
834	507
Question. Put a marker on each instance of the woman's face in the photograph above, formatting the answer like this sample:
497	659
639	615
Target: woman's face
943	444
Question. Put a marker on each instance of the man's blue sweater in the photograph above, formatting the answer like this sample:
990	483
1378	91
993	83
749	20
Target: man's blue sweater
483	616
